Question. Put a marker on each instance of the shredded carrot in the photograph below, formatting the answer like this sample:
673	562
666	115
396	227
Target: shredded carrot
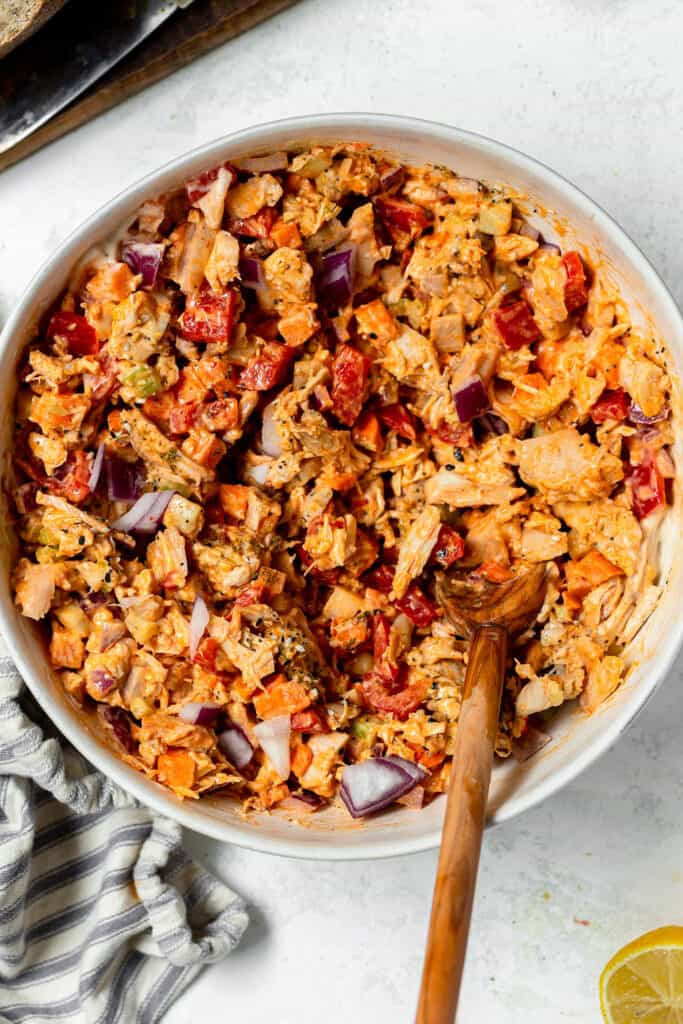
282	696
204	447
367	433
285	234
190	387
176	768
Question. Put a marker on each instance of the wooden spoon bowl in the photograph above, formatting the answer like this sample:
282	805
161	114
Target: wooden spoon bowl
488	613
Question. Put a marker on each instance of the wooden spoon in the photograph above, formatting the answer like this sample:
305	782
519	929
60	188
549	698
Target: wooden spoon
487	613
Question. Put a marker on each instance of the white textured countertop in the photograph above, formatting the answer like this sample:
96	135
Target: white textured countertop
594	89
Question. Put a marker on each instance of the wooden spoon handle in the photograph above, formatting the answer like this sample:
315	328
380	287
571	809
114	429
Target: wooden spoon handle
463	828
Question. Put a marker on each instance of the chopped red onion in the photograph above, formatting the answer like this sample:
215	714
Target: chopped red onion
235	744
270	439
471	399
199	620
391	177
416	771
111	632
529	231
122	479
372	785
529	743
91	602
199	714
636	415
251	272
120	722
101	681
146	514
494	424
144	258
550	247
96	469
335	285
262	164
273	735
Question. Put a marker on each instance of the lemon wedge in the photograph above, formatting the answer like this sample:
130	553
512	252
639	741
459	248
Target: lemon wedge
644	980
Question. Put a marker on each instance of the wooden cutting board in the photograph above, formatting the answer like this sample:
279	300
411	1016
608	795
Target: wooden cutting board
186	35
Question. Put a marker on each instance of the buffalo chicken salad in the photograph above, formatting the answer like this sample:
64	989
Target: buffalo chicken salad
260	425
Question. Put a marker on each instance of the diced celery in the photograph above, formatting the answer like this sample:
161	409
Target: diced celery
145	381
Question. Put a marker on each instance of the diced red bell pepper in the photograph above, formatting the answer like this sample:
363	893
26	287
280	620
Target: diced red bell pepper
381	578
209	317
397	418
417	606
200	185
575	289
449	547
182	416
611	405
349	384
516	324
80	336
460	437
72	481
647	487
378	695
205	655
258	226
268	369
399	214
309	721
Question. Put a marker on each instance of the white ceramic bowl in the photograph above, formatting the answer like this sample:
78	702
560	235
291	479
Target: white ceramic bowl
577	740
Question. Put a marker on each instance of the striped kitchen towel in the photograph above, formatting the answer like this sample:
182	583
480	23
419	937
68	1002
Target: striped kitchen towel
104	919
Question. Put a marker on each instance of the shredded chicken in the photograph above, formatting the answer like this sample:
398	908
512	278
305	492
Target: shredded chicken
240	474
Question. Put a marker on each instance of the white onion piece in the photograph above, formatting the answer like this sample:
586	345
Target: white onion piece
96	469
270	439
258	474
273	735
199	620
261	164
145	515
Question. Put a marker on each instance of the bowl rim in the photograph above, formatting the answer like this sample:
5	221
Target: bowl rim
256	137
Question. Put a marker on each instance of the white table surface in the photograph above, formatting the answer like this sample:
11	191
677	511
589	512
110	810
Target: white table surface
595	89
